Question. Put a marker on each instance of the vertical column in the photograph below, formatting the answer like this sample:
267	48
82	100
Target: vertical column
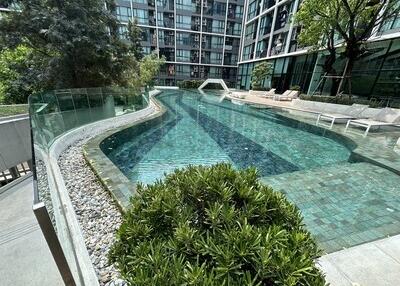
271	38
290	33
258	29
174	30
201	30
246	2
226	25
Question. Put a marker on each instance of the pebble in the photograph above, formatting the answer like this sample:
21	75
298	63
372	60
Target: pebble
96	211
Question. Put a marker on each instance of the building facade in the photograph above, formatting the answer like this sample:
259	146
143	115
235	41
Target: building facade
199	38
269	34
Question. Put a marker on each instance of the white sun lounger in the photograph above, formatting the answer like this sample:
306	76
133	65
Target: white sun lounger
352	112
386	117
269	94
287	95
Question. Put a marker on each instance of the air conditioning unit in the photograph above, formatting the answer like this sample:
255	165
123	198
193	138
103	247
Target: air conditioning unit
171	15
197	21
205	5
202	69
204	22
198	2
204	39
195	68
171	33
196	38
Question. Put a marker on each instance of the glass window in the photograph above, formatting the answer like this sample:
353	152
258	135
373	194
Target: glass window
182	55
186	5
215	58
141	15
239	12
124	14
252	9
182	70
183	22
218	26
217	42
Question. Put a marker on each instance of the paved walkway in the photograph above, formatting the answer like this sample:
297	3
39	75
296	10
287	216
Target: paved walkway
24	256
372	264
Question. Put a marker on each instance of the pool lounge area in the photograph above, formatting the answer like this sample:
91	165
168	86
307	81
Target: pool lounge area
340	182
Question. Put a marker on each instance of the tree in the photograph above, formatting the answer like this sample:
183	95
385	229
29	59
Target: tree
76	38
260	72
135	37
148	67
351	20
19	74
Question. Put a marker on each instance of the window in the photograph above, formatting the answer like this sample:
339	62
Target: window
265	25
182	56
218	26
217	42
142	16
182	70
252	10
249	33
248	52
183	22
122	31
215	72
239	12
219	8
215	58
183	39
124	14
186	5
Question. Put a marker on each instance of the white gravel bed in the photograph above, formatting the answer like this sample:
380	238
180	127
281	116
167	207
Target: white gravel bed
97	214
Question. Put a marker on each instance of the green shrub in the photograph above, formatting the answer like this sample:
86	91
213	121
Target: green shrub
295	87
214	226
189	84
346	100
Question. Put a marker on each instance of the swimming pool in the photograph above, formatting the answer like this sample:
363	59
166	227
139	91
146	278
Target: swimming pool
202	129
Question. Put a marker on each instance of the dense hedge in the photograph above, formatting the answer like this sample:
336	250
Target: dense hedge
214	226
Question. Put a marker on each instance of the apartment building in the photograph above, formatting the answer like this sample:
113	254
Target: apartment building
270	34
199	38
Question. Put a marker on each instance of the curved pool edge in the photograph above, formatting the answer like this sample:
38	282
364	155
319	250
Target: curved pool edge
112	179
121	188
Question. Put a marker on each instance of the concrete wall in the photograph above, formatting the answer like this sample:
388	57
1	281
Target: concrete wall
15	141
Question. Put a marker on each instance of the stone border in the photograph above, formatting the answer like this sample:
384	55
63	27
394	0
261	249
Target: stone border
119	186
68	229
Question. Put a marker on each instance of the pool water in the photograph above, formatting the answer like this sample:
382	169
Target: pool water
202	129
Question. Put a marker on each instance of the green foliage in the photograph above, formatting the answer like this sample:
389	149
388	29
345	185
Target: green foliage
347	100
214	226
135	37
352	20
19	74
295	87
9	110
189	84
76	40
143	74
260	72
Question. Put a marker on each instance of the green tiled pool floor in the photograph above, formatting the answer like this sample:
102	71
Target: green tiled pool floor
344	204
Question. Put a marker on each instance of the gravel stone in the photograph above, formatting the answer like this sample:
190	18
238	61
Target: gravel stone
96	211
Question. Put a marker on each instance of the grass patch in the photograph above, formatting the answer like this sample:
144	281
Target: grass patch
9	110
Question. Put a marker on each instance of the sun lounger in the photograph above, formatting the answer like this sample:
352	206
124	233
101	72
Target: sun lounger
352	112
268	94
287	95
386	117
